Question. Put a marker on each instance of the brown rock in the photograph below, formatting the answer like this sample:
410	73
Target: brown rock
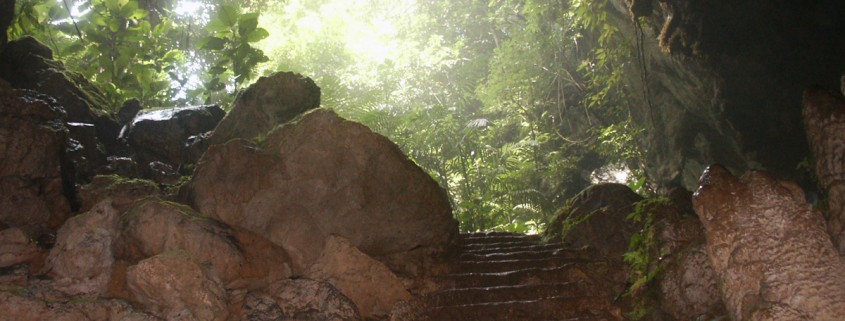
154	226
689	288
122	191
596	217
271	101
368	283
769	248
175	286
32	137
16	247
318	176
20	307
305	300
81	261
824	120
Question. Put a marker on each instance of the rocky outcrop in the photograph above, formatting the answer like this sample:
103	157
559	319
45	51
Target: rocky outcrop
122	191
298	299
769	248
824	119
596	217
321	175
16	247
34	179
368	283
162	135
24	307
271	101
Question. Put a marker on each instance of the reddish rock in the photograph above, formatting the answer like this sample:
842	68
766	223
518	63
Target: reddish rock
32	137
368	283
303	299
174	286
122	191
271	101
596	217
824	120
322	175
240	259
16	247
769	248
81	261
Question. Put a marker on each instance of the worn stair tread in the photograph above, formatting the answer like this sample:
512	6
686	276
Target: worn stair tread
506	247
491	266
530	254
503	293
542	309
569	272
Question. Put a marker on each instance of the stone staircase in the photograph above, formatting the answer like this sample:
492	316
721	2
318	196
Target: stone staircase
505	276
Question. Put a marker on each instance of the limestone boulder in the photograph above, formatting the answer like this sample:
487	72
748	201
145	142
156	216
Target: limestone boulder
824	120
368	283
322	175
32	176
769	248
299	299
240	259
596	217
271	101
174	286
122	191
82	259
162	135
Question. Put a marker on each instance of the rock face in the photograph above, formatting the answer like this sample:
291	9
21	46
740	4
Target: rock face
21	307
299	299
16	247
271	101
769	248
598	215
322	175
32	140
162	135
824	119
368	283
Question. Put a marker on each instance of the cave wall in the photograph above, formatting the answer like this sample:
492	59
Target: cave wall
725	81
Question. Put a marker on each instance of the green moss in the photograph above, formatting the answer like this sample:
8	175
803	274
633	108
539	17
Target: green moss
643	258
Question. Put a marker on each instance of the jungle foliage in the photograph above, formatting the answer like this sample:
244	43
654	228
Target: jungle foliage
510	105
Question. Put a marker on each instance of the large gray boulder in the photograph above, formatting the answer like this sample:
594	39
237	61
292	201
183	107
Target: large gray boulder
321	175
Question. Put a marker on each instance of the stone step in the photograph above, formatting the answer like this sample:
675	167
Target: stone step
574	253
491	266
498	238
552	308
506	248
466	296
569	272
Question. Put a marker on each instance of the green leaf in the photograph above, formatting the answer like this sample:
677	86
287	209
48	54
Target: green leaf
257	35
247	23
228	15
211	43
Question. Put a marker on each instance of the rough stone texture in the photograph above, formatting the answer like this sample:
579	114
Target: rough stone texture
601	210
81	261
84	150
689	288
305	300
123	192
162	135
368	283
271	101
21	307
824	120
28	64
732	83
770	250
176	287
154	226
32	137
16	247
318	176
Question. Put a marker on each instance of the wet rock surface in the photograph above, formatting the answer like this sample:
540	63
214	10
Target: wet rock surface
323	175
162	135
769	248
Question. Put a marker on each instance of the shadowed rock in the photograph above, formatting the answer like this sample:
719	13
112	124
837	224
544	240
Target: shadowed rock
162	135
271	101
769	249
824	120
